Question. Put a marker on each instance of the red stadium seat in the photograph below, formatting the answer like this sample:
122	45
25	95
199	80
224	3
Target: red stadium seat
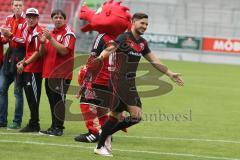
35	4
8	2
28	4
6	8
40	10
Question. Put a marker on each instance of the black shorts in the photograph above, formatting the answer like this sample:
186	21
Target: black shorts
125	93
102	98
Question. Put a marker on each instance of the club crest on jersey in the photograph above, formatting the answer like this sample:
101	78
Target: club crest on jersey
142	46
59	37
19	26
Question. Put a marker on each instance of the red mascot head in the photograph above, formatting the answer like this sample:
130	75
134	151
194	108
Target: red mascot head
112	18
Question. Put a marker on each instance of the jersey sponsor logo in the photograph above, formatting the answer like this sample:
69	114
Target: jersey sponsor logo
135	53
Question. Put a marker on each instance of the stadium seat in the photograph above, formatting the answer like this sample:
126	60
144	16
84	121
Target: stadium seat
35	4
7	2
27	4
40	10
42	4
6	8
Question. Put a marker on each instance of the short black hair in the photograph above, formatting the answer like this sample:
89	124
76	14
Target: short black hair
138	16
58	11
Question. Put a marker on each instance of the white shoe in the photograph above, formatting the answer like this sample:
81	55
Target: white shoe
108	143
103	151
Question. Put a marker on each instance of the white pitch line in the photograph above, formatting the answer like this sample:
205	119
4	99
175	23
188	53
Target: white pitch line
121	150
182	139
144	137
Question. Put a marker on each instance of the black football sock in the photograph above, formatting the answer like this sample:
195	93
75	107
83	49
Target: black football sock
125	123
112	126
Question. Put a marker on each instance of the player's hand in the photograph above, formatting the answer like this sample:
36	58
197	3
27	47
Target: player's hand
47	34
83	85
20	67
42	39
87	88
94	66
176	77
6	32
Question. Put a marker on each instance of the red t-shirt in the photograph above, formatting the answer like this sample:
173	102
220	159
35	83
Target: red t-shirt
54	64
101	43
16	26
32	45
1	51
29	38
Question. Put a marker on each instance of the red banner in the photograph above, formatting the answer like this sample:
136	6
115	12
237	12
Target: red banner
221	45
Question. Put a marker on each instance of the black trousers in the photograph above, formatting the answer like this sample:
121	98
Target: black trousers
56	89
32	86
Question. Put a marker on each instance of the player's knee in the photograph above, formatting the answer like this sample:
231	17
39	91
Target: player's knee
134	119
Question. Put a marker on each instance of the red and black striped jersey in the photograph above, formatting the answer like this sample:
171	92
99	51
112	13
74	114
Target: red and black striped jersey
101	42
129	53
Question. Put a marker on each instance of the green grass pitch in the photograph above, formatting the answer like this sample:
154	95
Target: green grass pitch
197	121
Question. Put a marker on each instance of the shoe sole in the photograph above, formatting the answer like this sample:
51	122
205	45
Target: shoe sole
104	155
55	135
43	134
13	128
29	131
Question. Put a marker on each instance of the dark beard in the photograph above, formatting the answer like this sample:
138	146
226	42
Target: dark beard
139	33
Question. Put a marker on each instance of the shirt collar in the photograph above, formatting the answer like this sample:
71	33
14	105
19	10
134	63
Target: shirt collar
22	15
31	30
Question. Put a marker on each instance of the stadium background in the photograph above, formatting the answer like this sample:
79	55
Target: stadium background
186	34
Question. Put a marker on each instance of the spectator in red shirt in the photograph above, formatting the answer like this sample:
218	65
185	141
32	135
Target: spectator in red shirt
31	67
1	50
15	24
57	70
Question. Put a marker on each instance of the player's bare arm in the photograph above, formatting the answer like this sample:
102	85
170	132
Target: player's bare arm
96	64
106	52
36	55
156	63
